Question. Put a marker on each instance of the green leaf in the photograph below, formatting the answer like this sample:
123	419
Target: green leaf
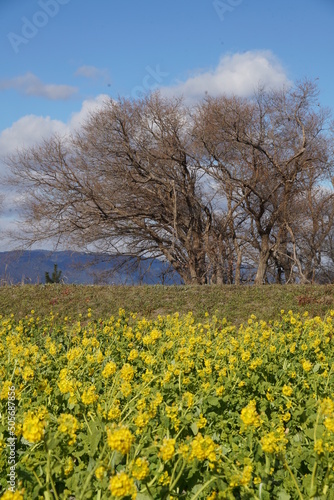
143	496
213	401
194	428
283	495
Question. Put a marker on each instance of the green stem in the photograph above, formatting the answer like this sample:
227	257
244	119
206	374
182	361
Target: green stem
38	480
294	480
328	378
161	468
53	487
47	474
148	491
172	485
13	373
86	483
203	488
49	478
313	488
137	395
90	431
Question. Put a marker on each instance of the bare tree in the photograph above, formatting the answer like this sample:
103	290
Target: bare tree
209	189
261	151
124	181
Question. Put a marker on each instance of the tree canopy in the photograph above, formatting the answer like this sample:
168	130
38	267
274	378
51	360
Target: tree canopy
231	189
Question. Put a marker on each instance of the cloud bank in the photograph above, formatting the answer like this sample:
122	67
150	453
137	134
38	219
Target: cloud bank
238	74
91	72
30	129
30	85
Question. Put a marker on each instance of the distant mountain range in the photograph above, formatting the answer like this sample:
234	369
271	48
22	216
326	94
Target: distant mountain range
82	268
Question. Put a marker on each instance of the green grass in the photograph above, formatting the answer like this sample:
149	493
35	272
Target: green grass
233	302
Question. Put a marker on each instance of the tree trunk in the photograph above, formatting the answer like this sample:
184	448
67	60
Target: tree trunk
237	277
263	261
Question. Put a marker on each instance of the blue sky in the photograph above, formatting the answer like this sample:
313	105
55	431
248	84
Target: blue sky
60	57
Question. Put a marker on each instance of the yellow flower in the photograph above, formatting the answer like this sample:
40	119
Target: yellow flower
245	356
201	423
212	496
269	396
28	373
120	439
140	469
307	365
122	485
142	419
127	372
274	442
318	446
220	390
254	364
68	424
99	473
249	415
114	412
327	407
246	475
89	396
33	428
5	389
329	423
203	448
167	449
147	376
109	369
164	479
133	355
74	353
69	466
141	404
9	495
183	450
126	389
287	390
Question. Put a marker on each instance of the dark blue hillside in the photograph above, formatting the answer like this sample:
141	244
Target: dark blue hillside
81	268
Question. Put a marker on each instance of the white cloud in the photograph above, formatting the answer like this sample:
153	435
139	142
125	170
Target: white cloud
88	106
26	132
29	84
30	129
235	74
91	72
238	74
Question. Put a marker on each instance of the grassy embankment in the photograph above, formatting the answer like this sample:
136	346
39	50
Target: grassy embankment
234	303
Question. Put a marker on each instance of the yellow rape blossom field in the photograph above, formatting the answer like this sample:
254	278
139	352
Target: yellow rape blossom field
168	408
